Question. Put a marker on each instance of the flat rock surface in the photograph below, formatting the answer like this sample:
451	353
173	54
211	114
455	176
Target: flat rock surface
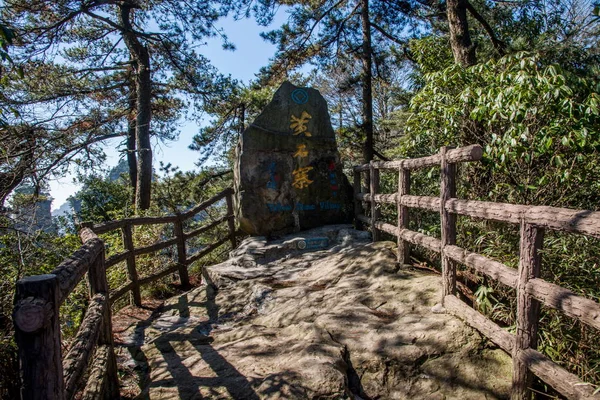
340	322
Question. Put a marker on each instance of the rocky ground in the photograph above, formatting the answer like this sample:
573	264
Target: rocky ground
319	315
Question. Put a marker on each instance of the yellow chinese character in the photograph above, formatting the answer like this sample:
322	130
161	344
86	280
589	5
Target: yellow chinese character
301	151
301	180
299	124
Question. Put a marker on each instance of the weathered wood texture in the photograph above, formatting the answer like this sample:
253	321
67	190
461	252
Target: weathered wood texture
99	285
131	267
562	381
502	338
159	275
70	271
528	309
37	333
448	222
112	225
375	210
560	219
462	154
208	227
358	206
564	300
494	269
531	290
120	292
155	247
182	262
208	249
37	301
403	216
117	258
96	387
207	203
76	361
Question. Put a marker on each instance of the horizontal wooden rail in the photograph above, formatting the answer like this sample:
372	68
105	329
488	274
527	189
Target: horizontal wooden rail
158	275
117	258
206	204
494	269
112	225
36	314
199	231
70	271
564	300
462	154
155	247
120	292
559	219
131	252
499	336
45	375
482	264
208	249
566	383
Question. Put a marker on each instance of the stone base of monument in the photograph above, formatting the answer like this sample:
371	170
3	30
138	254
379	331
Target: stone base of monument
336	322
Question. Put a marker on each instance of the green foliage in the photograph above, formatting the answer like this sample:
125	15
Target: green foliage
102	200
23	254
431	53
232	113
539	123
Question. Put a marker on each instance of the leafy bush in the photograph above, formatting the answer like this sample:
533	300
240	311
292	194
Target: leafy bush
539	124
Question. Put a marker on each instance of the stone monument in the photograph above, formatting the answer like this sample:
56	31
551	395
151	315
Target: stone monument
288	175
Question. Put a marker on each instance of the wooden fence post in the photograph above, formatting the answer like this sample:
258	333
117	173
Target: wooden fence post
184	276
131	269
98	284
37	332
448	223
528	309
358	206
403	189
231	219
374	189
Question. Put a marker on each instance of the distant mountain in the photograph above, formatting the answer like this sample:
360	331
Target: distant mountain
121	168
63	210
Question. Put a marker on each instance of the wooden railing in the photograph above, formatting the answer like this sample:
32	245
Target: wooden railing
183	259
531	290
44	373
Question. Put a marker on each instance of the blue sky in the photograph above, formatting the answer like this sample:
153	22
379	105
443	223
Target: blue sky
251	53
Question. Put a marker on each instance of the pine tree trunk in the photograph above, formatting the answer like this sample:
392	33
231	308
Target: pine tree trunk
131	147
460	40
143	88
366	78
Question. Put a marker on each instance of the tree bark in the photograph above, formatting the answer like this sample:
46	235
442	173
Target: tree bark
143	88
131	147
460	40
366	80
